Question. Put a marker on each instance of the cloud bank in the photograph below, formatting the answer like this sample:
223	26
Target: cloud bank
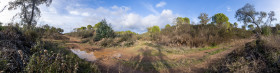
70	14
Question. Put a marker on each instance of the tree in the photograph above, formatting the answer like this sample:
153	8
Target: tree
270	18
167	26
204	19
248	14
89	27
154	29
251	27
277	26
181	20
83	28
266	30
104	31
29	10
1	25
220	19
96	26
235	25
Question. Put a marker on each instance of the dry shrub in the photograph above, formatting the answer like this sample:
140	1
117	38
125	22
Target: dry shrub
83	33
14	50
124	38
111	42
199	35
261	58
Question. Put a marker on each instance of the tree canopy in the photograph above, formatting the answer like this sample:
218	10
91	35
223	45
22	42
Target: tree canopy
104	31
29	10
204	19
167	26
181	20
154	29
220	19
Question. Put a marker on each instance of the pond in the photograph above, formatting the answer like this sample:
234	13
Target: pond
89	56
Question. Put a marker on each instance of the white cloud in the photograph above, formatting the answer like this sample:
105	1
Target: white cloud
161	4
66	15
85	14
74	12
151	8
229	9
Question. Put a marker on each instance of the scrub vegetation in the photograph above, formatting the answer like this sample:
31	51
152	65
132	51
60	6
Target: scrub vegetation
181	47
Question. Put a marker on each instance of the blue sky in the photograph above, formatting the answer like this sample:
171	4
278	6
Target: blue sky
136	15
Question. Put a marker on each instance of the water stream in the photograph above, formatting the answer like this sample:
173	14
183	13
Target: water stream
89	56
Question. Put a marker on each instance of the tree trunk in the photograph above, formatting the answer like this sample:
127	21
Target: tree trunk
32	14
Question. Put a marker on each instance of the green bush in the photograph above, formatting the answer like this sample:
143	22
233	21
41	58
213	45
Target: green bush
104	31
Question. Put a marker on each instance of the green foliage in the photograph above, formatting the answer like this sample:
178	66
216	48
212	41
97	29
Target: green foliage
89	27
1	26
83	28
154	29
220	19
96	26
251	27
167	26
30	10
180	20
204	19
104	31
235	24
266	30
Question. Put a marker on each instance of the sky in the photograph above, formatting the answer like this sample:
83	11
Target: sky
135	15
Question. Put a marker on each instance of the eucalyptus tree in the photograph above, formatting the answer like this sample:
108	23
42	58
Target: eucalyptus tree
29	10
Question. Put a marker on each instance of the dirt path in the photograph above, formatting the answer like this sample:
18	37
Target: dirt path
201	67
107	60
